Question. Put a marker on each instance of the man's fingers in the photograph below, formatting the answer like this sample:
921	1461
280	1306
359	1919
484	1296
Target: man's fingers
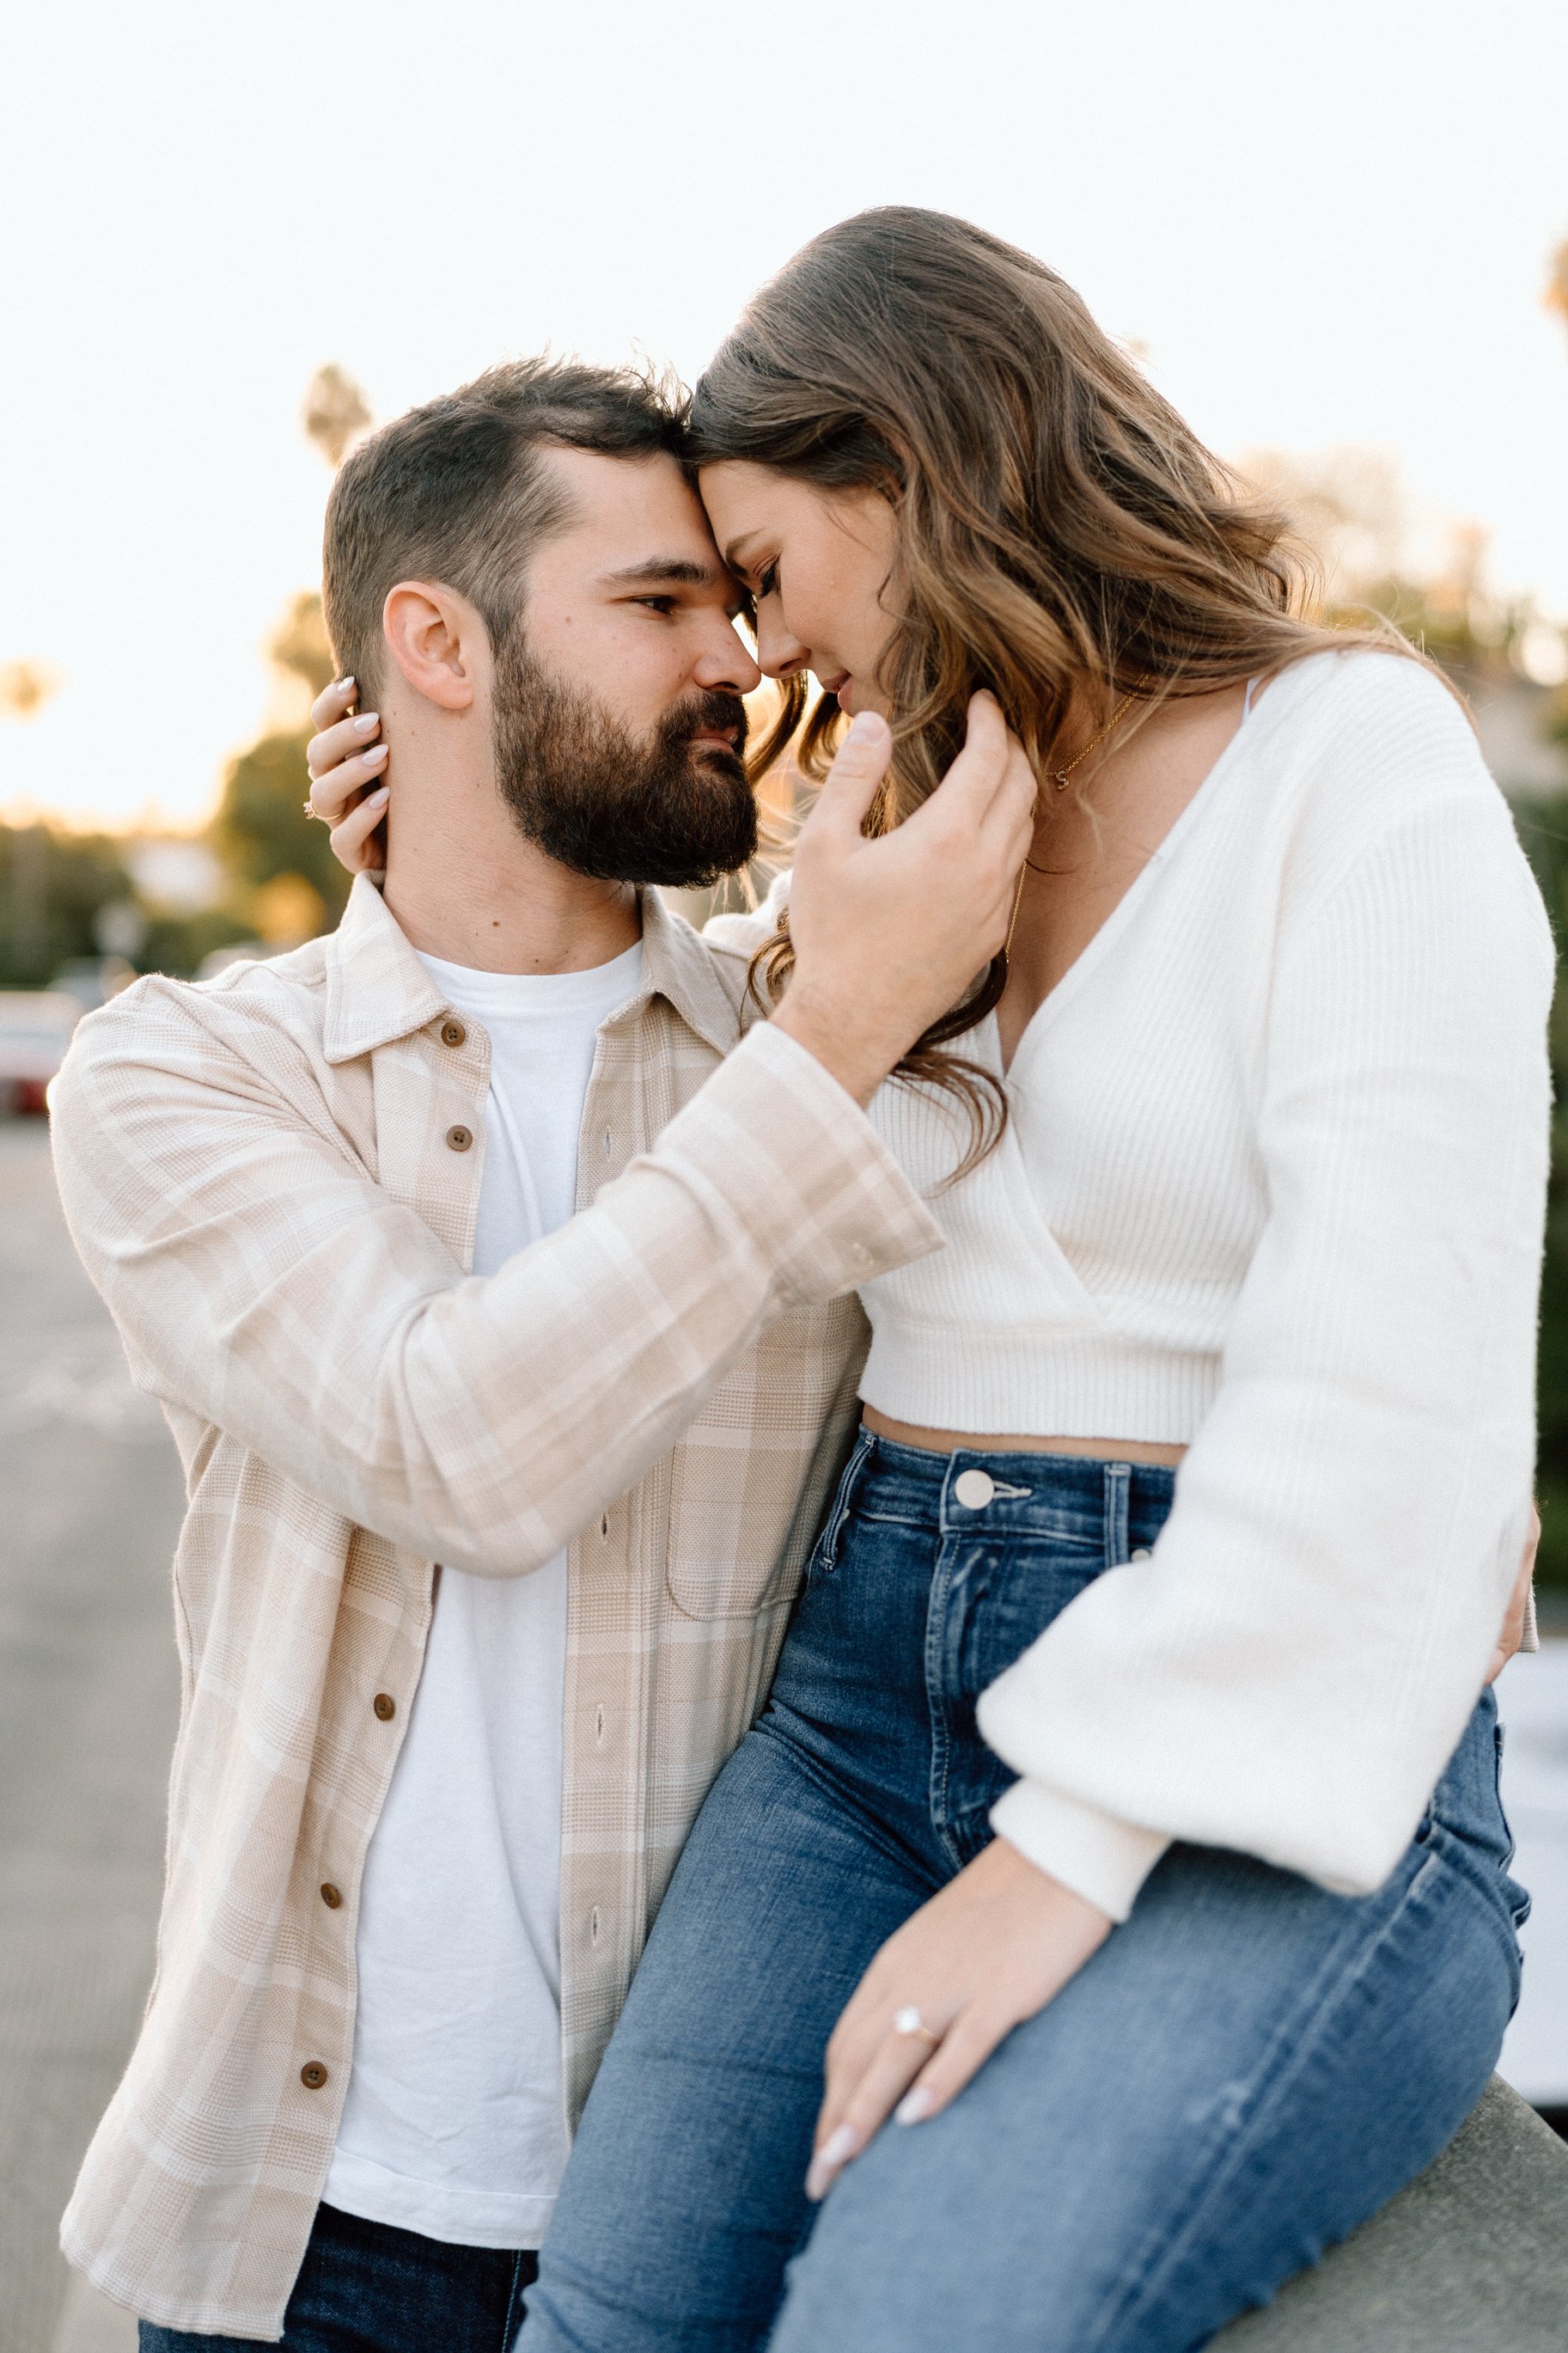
332	701
858	767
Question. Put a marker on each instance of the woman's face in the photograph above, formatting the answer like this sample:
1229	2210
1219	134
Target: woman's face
819	563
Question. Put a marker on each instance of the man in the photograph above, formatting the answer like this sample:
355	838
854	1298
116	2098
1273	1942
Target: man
496	1510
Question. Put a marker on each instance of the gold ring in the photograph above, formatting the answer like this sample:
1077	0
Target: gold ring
909	2020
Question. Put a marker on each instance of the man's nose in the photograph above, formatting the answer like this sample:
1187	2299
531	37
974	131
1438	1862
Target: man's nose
726	664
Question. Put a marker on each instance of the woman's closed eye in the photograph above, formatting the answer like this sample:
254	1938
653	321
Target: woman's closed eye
768	581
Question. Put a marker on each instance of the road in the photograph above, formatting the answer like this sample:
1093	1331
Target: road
89	1694
88	1701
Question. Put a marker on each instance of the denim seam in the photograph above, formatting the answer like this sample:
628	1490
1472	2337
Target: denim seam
1291	2048
936	1700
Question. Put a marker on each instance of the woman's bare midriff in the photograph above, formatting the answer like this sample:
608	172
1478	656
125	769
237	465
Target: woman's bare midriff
950	1441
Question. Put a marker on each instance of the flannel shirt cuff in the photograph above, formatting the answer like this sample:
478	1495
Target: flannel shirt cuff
799	1160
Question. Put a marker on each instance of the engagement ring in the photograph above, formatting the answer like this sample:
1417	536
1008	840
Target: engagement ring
909	2020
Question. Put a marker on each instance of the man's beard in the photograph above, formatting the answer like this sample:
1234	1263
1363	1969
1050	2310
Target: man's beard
597	798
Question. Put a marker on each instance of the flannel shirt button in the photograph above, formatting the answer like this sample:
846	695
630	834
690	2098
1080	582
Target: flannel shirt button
330	1895
384	1705
460	1138
452	1033
312	2075
860	1254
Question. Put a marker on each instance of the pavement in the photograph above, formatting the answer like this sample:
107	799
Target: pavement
1472	2259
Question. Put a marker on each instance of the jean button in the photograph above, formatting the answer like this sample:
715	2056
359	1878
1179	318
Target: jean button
1142	1553
973	1489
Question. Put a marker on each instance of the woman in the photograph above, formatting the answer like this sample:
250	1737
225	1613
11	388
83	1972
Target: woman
1132	1838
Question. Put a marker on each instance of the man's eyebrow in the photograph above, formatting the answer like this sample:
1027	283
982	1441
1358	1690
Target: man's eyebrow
676	568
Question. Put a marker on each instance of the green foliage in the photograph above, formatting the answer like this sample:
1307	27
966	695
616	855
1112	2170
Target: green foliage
51	886
261	831
1543	830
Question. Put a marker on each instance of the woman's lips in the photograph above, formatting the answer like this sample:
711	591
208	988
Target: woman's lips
839	686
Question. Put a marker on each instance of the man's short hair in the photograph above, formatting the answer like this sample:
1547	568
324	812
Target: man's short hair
454	491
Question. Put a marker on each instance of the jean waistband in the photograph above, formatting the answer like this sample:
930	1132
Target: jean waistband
1015	1494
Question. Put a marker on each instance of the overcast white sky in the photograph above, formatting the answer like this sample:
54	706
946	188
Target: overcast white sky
1328	224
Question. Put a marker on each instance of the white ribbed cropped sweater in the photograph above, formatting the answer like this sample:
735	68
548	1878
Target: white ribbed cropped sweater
1273	1184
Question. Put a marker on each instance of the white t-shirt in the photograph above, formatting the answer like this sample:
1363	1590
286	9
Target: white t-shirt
453	2125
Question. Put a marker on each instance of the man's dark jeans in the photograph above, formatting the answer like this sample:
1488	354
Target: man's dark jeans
364	2287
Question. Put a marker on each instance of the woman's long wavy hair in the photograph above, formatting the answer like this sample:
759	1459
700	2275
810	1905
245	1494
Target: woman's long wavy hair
1064	538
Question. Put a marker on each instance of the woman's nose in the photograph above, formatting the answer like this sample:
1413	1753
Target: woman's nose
780	654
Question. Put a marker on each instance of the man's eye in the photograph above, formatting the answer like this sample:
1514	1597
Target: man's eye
664	604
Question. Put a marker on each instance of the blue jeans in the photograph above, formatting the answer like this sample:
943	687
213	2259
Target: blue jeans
368	2287
1244	2072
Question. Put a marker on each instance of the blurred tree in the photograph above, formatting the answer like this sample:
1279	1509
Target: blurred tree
1545	836
284	876
25	950
261	831
53	888
1557	282
299	645
335	412
25	687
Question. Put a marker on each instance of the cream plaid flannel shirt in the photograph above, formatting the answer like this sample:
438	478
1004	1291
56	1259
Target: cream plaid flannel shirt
273	1181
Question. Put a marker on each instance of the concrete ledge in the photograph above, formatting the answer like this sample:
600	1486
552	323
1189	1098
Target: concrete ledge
1472	2258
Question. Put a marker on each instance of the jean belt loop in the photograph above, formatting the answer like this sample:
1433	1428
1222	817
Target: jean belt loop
1118	1484
850	1484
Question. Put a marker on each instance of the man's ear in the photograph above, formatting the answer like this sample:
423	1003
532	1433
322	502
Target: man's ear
438	640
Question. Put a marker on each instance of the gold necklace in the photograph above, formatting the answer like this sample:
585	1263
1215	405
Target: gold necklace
1058	777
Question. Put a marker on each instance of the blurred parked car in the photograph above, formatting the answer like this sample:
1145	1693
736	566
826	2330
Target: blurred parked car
36	1027
93	980
237	951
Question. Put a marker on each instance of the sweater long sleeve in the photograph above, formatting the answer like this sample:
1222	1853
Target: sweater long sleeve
1289	1671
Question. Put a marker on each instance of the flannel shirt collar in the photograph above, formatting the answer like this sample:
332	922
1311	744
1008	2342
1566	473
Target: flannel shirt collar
377	989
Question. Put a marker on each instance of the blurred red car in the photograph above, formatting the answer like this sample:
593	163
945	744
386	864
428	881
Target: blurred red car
36	1027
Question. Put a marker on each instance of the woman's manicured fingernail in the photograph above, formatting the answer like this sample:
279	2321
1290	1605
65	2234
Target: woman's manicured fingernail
367	722
347	680
914	2107
373	757
836	2150
375	800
